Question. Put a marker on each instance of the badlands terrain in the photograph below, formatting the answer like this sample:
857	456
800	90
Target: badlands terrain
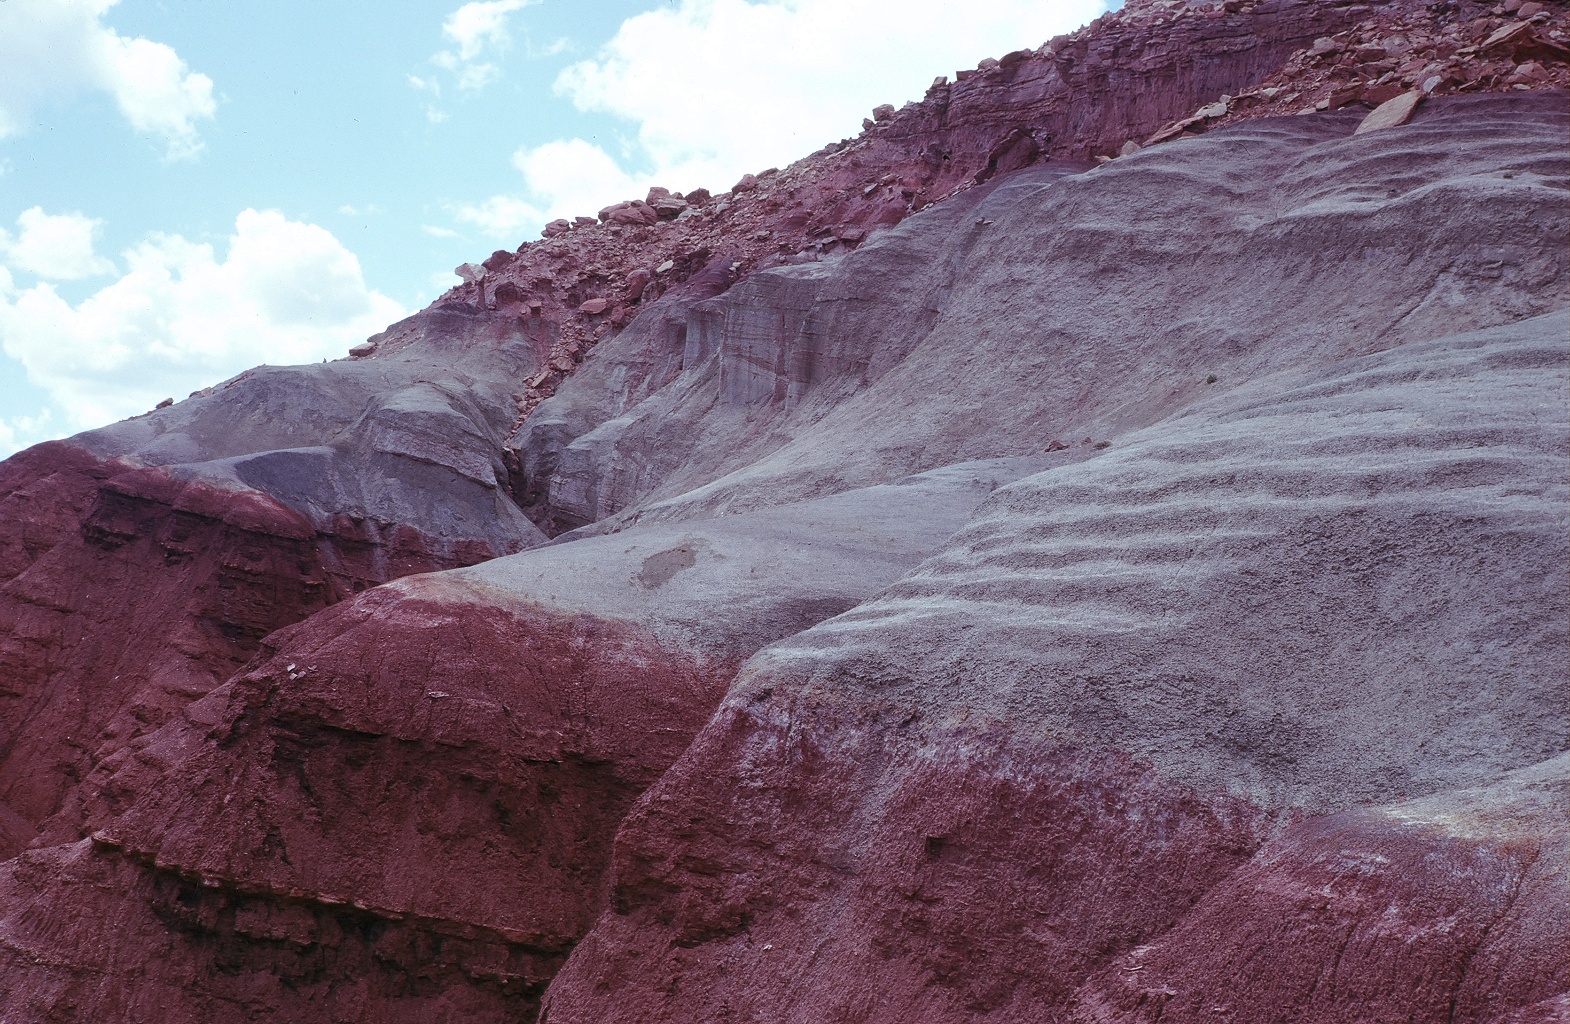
1092	548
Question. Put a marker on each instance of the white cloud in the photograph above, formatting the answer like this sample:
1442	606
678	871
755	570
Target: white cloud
53	49
482	25
567	177
796	73
181	318
431	86
477	76
502	217
18	432
53	247
717	88
479	29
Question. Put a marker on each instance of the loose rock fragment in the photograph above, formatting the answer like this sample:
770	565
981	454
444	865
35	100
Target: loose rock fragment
1391	113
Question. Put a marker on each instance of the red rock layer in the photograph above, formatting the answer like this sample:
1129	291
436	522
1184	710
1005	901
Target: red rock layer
329	830
1160	66
167	948
1422	52
125	593
955	878
1378	914
408	803
958	875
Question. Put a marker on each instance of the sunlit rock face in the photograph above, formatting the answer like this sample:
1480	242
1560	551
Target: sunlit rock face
947	579
1247	699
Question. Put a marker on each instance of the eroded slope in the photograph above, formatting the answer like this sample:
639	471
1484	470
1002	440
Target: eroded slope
1066	307
408	805
1107	701
1248	703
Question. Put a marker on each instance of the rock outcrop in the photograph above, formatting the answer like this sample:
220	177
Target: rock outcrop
1087	732
1149	72
1089	549
143	563
1058	305
424	782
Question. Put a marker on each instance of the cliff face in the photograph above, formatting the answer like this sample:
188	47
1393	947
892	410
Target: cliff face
989	583
1092	722
144	562
410	801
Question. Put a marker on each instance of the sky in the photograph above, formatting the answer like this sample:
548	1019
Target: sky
192	187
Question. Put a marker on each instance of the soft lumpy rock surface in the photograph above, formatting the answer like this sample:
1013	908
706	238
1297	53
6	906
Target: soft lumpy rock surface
1084	729
984	586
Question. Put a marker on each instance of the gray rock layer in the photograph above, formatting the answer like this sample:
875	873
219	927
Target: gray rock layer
1073	306
1317	591
410	435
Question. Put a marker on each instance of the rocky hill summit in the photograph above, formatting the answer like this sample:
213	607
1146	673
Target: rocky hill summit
1091	548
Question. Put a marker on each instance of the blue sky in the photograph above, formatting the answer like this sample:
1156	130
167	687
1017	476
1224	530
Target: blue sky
189	187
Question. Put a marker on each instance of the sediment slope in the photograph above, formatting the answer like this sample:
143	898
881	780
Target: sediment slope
1062	307
423	782
1091	724
144	562
987	583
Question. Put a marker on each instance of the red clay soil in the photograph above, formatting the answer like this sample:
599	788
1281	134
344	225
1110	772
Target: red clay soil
327	829
126	593
954	885
971	876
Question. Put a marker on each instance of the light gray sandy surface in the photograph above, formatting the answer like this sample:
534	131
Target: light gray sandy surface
1330	588
1082	305
728	585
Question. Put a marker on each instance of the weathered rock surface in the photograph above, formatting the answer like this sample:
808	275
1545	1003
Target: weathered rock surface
1145	68
1071	305
1242	698
1081	734
144	562
431	775
1398	49
1123	77
1445	908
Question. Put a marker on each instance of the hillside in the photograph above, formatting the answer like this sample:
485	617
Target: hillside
1090	548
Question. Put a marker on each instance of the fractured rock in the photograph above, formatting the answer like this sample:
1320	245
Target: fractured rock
1397	111
636	212
666	205
637	281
